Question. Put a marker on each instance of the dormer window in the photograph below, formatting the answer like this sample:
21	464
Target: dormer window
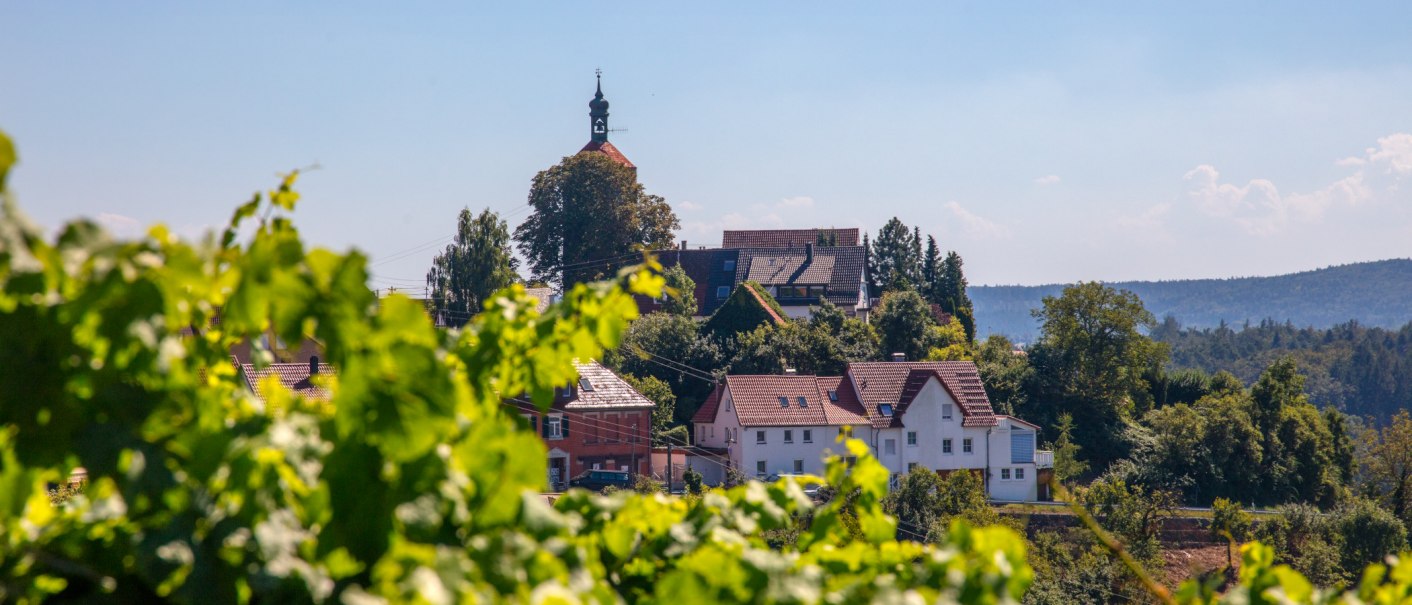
585	385
885	410
784	402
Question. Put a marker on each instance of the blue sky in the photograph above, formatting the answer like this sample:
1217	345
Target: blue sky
1045	142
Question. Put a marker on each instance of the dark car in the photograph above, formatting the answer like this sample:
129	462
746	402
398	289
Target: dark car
596	480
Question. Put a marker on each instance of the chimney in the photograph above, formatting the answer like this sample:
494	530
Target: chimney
683	244
790	372
809	252
313	365
899	357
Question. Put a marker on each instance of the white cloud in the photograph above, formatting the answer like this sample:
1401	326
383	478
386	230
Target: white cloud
798	201
1151	224
1050	179
1394	150
689	206
120	225
977	226
1260	208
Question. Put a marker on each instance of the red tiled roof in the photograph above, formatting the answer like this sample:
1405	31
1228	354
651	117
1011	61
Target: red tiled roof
609	390
757	400
609	150
706	414
897	383
846	410
294	376
785	238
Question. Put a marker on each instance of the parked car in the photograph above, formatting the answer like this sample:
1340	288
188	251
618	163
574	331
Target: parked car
596	480
810	489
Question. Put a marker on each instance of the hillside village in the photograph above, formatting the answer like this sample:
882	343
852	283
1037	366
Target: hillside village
912	413
777	358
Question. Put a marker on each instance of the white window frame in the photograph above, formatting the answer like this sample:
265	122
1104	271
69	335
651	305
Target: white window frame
788	436
966	446
1020	474
946	447
948	411
760	436
1005	474
808	436
556	426
889	447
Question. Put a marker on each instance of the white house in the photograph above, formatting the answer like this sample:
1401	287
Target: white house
931	415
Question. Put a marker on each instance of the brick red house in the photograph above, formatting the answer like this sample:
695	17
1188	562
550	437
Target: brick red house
599	423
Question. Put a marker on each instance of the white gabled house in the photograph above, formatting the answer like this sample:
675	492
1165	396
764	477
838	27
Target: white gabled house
930	415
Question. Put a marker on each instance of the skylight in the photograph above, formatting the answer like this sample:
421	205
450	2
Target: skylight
833	395
803	403
784	402
585	385
885	409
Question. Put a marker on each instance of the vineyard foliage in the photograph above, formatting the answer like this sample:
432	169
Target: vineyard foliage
412	484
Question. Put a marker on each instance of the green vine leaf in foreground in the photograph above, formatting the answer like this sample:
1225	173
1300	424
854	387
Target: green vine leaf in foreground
413	484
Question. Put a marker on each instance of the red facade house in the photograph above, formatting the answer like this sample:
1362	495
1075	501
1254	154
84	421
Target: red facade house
599	423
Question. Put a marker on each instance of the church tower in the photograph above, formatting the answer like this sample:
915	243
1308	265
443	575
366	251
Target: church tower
598	128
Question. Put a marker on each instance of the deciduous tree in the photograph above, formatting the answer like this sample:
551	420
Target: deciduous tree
477	263
590	216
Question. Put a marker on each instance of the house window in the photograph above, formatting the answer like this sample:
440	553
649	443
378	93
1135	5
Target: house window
833	395
849	461
912	438
885	410
946	411
759	436
966	445
808	436
723	291
760	468
946	446
803	403
788	436
890	447
798	467
911	466
1004	474
784	402
1019	474
585	385
554	427
729	265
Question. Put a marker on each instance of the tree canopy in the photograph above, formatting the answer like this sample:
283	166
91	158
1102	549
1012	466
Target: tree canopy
477	263
590	216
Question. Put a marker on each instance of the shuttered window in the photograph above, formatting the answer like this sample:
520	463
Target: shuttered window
1021	447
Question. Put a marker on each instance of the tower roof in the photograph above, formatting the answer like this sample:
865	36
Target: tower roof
598	127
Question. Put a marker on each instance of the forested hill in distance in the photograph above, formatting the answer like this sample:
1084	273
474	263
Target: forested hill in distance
1375	293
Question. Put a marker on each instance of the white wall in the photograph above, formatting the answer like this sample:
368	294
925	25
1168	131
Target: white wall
1013	488
778	455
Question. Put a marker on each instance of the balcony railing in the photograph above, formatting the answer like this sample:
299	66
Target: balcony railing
1043	459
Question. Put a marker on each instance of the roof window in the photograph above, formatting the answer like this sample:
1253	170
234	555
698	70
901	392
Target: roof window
784	402
833	395
729	265
803	403
585	385
885	409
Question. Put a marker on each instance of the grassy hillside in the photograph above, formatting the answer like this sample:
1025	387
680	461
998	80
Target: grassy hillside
1375	294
